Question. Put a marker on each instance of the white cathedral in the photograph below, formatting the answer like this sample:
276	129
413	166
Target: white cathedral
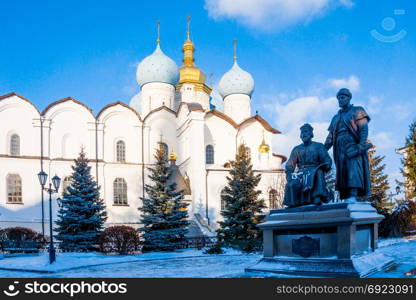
173	106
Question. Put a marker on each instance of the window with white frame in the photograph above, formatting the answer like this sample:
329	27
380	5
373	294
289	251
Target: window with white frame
273	201
121	151
120	191
222	196
15	145
209	154
14	188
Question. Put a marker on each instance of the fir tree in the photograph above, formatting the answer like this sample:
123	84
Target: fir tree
243	209
164	213
81	214
379	180
409	163
330	179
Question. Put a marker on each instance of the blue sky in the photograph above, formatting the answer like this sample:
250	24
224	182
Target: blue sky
298	51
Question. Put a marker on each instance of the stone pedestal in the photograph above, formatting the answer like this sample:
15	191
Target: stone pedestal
330	240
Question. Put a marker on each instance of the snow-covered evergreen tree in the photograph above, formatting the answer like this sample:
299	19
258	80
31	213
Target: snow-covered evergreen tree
330	179
409	163
398	222
243	208
81	214
379	180
164	213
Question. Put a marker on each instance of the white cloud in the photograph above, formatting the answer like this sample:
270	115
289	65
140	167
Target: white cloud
290	116
317	111
347	3
271	14
401	112
383	140
374	105
352	83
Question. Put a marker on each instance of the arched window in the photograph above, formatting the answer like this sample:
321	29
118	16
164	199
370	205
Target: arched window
165	148
209	154
15	145
66	183
121	151
273	201
14	188
223	202
120	191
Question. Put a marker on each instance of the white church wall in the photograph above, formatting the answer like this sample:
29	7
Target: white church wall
275	161
29	210
121	124
251	133
18	116
72	126
157	94
69	125
222	135
159	125
123	214
216	181
237	107
182	115
270	180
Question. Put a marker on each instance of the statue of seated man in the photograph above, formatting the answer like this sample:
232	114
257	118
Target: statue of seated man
312	161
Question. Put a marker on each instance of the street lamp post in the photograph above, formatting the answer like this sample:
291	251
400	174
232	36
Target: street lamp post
396	194
43	213
56	181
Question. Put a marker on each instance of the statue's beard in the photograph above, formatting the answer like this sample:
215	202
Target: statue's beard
343	103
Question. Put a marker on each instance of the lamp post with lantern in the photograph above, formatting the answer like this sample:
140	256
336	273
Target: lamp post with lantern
391	195
56	181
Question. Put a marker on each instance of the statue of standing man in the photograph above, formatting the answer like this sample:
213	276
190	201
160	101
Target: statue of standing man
348	133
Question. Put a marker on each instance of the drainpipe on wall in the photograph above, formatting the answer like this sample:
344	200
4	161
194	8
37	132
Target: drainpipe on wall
96	150
41	168
206	196
143	159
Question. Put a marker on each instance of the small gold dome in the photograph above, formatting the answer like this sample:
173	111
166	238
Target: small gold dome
172	156
263	147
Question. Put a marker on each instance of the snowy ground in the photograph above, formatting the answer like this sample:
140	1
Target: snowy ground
189	263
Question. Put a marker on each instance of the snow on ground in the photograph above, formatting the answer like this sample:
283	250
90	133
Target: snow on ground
392	241
71	260
185	264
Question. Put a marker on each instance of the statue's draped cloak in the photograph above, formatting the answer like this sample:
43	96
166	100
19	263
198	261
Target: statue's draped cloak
313	158
352	172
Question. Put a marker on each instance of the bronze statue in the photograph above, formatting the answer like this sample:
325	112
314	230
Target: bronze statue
348	134
307	186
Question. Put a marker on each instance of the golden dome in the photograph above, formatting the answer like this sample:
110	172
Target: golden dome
189	72
263	147
172	156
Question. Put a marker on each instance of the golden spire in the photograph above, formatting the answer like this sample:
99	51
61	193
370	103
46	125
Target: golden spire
188	48
235	49
158	32
188	27
189	72
263	147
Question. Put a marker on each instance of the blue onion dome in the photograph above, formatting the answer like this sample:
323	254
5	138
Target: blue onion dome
236	81
136	102
157	67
